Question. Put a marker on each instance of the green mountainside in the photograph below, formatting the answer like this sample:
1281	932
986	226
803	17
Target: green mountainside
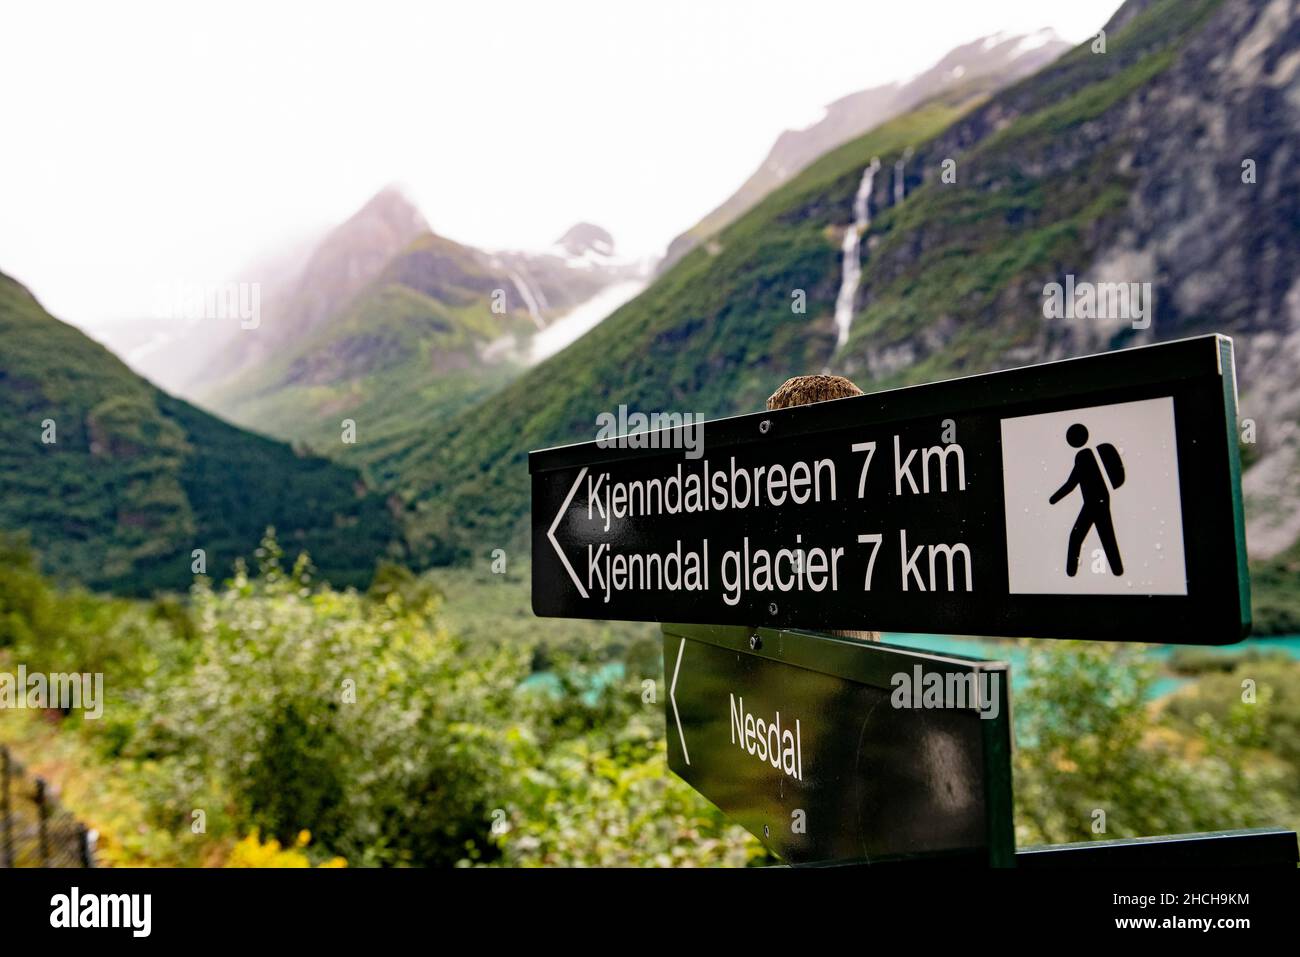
135	480
1122	165
714	334
983	65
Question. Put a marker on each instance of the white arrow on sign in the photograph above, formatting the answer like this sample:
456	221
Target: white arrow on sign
672	697
556	524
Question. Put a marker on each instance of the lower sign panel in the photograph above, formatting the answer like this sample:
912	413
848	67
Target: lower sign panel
834	750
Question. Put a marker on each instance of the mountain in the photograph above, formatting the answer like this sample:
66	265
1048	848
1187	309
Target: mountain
344	263
117	482
1127	166
416	345
439	327
1123	165
714	334
190	348
586	240
381	321
983	65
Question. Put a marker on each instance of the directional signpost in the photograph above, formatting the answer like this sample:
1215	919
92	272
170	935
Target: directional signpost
1096	497
832	749
1089	498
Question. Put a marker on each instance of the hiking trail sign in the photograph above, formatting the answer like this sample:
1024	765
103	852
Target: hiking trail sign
1097	497
836	750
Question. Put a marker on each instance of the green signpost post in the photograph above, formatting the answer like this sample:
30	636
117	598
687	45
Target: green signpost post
1091	498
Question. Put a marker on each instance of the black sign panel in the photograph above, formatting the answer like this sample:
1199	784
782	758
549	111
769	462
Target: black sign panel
830	749
1096	497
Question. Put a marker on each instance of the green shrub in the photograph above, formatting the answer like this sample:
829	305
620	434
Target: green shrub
361	721
1089	741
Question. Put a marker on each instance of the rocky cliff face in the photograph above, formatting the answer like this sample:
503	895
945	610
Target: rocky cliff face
1168	159
1214	217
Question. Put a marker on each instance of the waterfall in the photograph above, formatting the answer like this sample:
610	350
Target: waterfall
852	269
529	300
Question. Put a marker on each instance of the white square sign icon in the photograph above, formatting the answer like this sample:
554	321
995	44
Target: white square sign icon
1092	501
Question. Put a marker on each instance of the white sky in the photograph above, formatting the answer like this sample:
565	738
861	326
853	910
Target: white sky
151	144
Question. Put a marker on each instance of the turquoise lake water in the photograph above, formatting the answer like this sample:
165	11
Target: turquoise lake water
1015	654
614	671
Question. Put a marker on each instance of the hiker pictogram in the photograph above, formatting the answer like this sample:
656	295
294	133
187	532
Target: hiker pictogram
1094	488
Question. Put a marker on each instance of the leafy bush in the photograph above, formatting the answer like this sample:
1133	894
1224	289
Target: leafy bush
1274	682
1089	742
275	705
587	806
27	605
73	630
360	719
317	709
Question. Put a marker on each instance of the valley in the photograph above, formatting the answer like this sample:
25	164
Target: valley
288	519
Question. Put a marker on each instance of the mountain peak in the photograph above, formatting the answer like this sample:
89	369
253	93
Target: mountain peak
393	208
583	238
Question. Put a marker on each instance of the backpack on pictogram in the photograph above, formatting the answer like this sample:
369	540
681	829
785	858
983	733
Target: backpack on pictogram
1112	463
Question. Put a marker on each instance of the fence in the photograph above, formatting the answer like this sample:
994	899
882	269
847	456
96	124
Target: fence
35	831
